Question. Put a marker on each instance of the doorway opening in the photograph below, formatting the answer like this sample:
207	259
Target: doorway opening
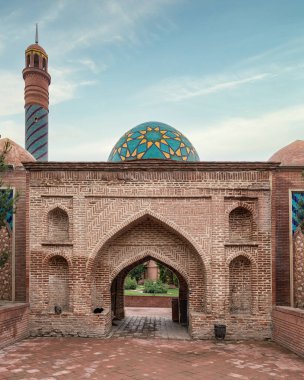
150	299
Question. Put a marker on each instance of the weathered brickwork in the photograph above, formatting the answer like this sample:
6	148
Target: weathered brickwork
108	218
288	328
285	179
240	285
14	323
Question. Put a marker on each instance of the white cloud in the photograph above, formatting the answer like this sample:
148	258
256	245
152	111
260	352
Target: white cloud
106	22
11	93
13	130
64	87
91	65
250	139
289	48
183	88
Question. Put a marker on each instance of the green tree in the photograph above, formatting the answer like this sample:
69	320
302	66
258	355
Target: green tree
7	201
137	272
167	276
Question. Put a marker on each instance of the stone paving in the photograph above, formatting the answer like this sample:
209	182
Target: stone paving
120	359
148	327
148	311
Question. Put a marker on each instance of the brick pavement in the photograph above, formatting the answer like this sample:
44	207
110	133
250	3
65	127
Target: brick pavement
119	359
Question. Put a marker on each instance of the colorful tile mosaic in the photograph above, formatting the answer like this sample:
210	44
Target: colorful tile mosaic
297	199
36	131
9	215
153	140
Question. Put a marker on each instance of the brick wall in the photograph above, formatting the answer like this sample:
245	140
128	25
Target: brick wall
284	180
178	214
240	285
14	320
288	328
148	301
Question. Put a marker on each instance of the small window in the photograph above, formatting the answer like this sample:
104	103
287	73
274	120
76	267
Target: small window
44	64
36	60
28	60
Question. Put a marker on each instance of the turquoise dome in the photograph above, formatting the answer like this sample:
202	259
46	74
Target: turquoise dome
153	140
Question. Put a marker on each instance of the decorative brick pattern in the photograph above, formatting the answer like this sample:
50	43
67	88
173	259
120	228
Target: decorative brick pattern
299	269
176	214
6	268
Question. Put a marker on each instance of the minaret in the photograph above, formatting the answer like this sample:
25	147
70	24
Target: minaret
36	98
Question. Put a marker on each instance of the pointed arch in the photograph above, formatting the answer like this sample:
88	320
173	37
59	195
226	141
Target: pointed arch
58	225
137	218
253	269
154	254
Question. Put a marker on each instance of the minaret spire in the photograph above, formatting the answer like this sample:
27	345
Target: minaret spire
36	98
36	35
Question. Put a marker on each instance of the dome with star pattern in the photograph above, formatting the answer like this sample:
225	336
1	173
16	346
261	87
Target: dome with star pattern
153	140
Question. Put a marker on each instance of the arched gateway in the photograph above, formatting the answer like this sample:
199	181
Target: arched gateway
147	237
90	223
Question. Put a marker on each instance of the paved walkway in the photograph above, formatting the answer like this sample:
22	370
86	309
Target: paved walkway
126	359
149	311
149	327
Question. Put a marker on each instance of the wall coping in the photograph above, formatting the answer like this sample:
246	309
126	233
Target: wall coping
157	165
10	306
289	310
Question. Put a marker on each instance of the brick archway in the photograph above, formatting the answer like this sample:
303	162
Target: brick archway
197	251
147	237
119	274
154	254
135	219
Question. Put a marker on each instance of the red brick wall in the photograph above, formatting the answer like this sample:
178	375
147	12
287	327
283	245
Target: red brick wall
14	321
148	301
284	179
288	328
240	290
177	214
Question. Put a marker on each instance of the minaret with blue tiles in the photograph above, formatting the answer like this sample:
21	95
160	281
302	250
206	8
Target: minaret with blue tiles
36	98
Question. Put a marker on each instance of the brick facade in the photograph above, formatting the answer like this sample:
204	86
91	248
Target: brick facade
285	179
89	224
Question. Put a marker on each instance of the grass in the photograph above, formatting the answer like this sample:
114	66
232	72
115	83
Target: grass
139	292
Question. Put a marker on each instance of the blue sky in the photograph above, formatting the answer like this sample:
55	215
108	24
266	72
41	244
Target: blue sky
229	74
